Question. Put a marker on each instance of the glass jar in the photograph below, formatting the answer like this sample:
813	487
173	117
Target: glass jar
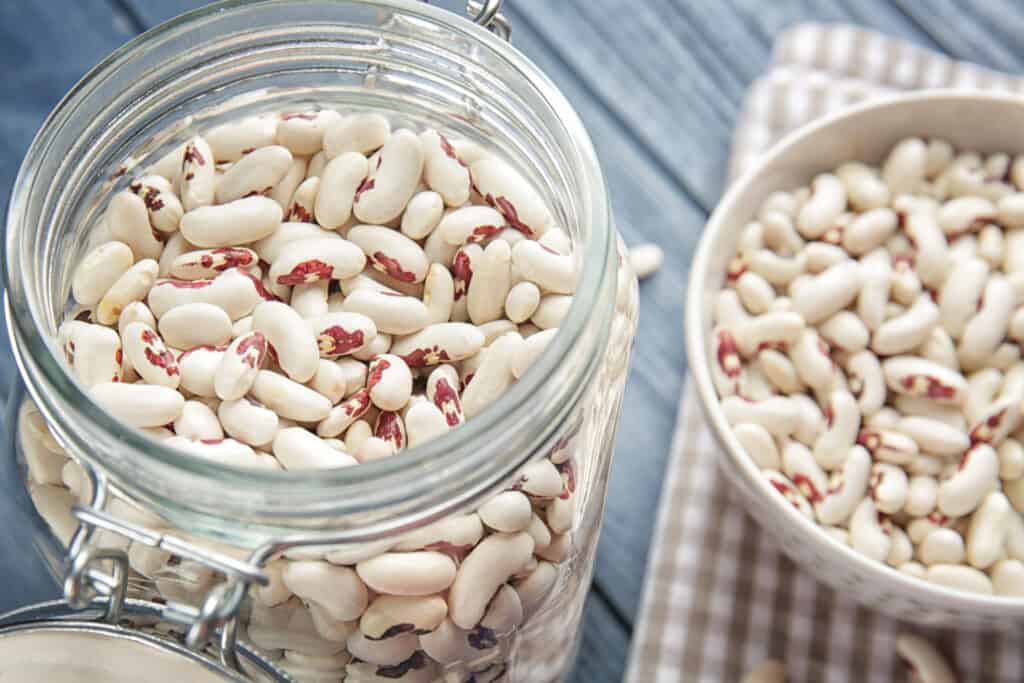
427	67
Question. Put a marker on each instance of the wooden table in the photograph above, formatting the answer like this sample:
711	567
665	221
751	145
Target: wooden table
658	84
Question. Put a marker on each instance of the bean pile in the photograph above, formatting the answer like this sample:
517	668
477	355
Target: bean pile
867	352
315	290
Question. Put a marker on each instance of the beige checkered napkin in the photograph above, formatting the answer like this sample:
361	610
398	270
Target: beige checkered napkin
719	596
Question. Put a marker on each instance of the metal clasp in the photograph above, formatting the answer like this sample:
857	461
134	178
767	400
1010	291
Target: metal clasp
488	14
96	572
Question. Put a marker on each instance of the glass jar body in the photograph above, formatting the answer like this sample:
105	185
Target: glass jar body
552	442
549	588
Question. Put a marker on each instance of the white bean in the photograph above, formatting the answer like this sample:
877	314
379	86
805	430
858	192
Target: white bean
149	355
390	313
821	296
196	324
303	132
132	286
297	449
197	182
493	376
866	533
231	141
337	589
290	337
140	405
389	382
845	488
198	422
964	491
491	283
925	663
99	270
907	331
234	290
439	343
959	577
339	183
392	181
289	399
409	574
238	222
255	173
819	213
904	168
444	172
362	133
310	260
248	422
485	569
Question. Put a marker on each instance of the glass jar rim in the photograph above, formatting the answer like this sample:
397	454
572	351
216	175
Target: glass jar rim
30	339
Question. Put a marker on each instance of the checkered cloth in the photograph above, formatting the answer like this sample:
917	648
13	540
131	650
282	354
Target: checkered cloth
720	597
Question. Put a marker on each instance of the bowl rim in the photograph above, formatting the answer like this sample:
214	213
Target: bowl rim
696	345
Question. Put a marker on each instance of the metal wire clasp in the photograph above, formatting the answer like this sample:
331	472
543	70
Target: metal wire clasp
95	571
487	14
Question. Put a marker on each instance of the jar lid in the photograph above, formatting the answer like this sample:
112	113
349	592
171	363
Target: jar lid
54	642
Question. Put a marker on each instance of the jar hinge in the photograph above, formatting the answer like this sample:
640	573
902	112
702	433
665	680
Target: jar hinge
487	14
98	572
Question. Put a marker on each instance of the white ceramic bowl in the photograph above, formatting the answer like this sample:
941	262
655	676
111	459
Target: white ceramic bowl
971	121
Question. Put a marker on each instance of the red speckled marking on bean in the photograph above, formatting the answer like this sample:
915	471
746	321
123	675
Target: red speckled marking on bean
392	267
205	347
306	273
772	345
187	284
223	258
483	232
192	154
868	439
807	487
365	186
336	340
786	491
728	354
255	342
150	195
389	428
448	401
984	432
736	268
428	355
163	359
462	273
449	150
458	552
299	213
260	289
935	388
377	369
568	473
508	210
357	404
306	116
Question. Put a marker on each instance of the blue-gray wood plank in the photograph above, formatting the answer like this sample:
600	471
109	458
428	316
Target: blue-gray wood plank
659	85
